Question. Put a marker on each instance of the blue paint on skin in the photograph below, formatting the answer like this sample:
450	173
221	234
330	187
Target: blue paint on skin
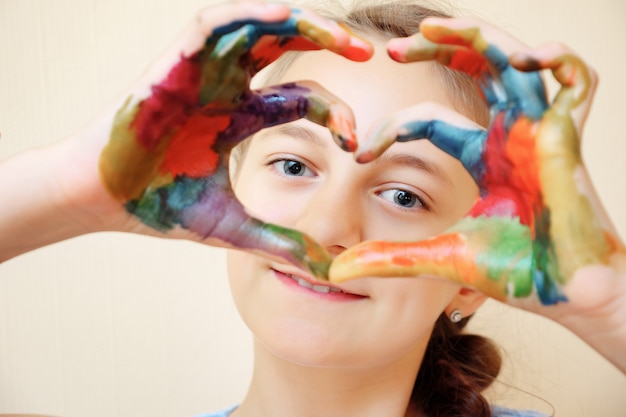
466	145
251	30
524	93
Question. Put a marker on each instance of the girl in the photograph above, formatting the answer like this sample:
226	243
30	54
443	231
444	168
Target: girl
317	345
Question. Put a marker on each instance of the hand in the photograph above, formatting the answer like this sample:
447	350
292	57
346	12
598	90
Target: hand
167	157
537	230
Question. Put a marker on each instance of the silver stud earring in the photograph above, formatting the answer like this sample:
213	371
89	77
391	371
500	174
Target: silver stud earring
456	316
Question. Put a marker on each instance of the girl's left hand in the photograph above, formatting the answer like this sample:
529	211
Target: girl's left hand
537	236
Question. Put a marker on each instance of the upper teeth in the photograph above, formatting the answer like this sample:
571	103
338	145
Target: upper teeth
319	288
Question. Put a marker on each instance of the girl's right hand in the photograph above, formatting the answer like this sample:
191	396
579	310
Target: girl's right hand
161	152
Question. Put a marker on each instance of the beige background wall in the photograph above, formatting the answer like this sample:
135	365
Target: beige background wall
122	326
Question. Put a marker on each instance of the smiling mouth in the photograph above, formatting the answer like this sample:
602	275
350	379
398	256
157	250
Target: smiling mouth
324	289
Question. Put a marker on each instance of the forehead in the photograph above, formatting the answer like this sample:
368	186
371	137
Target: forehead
373	89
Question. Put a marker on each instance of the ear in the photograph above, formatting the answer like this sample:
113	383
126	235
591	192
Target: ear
467	300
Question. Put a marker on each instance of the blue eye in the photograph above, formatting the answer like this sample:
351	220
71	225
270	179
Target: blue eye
402	198
293	168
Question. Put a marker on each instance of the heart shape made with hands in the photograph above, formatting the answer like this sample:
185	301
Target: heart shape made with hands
531	228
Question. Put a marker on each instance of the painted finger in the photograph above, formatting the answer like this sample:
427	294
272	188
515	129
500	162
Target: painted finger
448	130
458	43
333	36
417	48
306	31
490	254
307	99
489	41
228	16
220	18
526	90
578	81
282	243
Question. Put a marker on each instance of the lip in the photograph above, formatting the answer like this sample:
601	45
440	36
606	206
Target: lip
335	293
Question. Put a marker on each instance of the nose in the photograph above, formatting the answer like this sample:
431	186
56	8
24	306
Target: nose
333	216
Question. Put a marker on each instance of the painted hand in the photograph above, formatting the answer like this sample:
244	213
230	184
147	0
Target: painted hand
167	156
536	223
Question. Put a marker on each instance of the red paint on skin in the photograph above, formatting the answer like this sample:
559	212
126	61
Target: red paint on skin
512	183
469	62
270	47
396	54
445	36
168	106
191	150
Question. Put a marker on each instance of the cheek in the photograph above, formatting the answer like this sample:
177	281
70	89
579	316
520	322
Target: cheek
238	268
416	303
245	290
265	199
259	199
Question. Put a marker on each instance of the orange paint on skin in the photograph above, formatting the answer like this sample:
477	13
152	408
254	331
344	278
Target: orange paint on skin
270	47
468	61
429	256
521	150
445	36
402	261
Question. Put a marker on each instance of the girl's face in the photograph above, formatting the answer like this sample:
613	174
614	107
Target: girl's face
294	175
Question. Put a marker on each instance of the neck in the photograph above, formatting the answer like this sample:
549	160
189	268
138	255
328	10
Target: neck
280	388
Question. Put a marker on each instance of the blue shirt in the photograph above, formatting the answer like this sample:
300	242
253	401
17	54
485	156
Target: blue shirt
496	412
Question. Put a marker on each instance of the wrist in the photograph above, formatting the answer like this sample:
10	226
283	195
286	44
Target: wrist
602	325
54	194
77	192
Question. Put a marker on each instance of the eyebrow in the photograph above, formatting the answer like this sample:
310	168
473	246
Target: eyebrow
402	159
416	162
300	132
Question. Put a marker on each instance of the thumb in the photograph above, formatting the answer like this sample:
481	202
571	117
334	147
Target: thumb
491	254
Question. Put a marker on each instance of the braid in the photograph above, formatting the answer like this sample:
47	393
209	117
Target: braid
455	370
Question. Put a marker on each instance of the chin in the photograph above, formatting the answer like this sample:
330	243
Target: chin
311	347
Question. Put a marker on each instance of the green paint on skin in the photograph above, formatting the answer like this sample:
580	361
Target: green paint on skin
502	248
127	167
306	250
222	78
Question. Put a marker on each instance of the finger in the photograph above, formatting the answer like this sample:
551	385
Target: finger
229	16
287	244
333	36
475	34
492	255
526	90
460	58
417	48
457	43
448	130
220	18
307	99
578	81
305	31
